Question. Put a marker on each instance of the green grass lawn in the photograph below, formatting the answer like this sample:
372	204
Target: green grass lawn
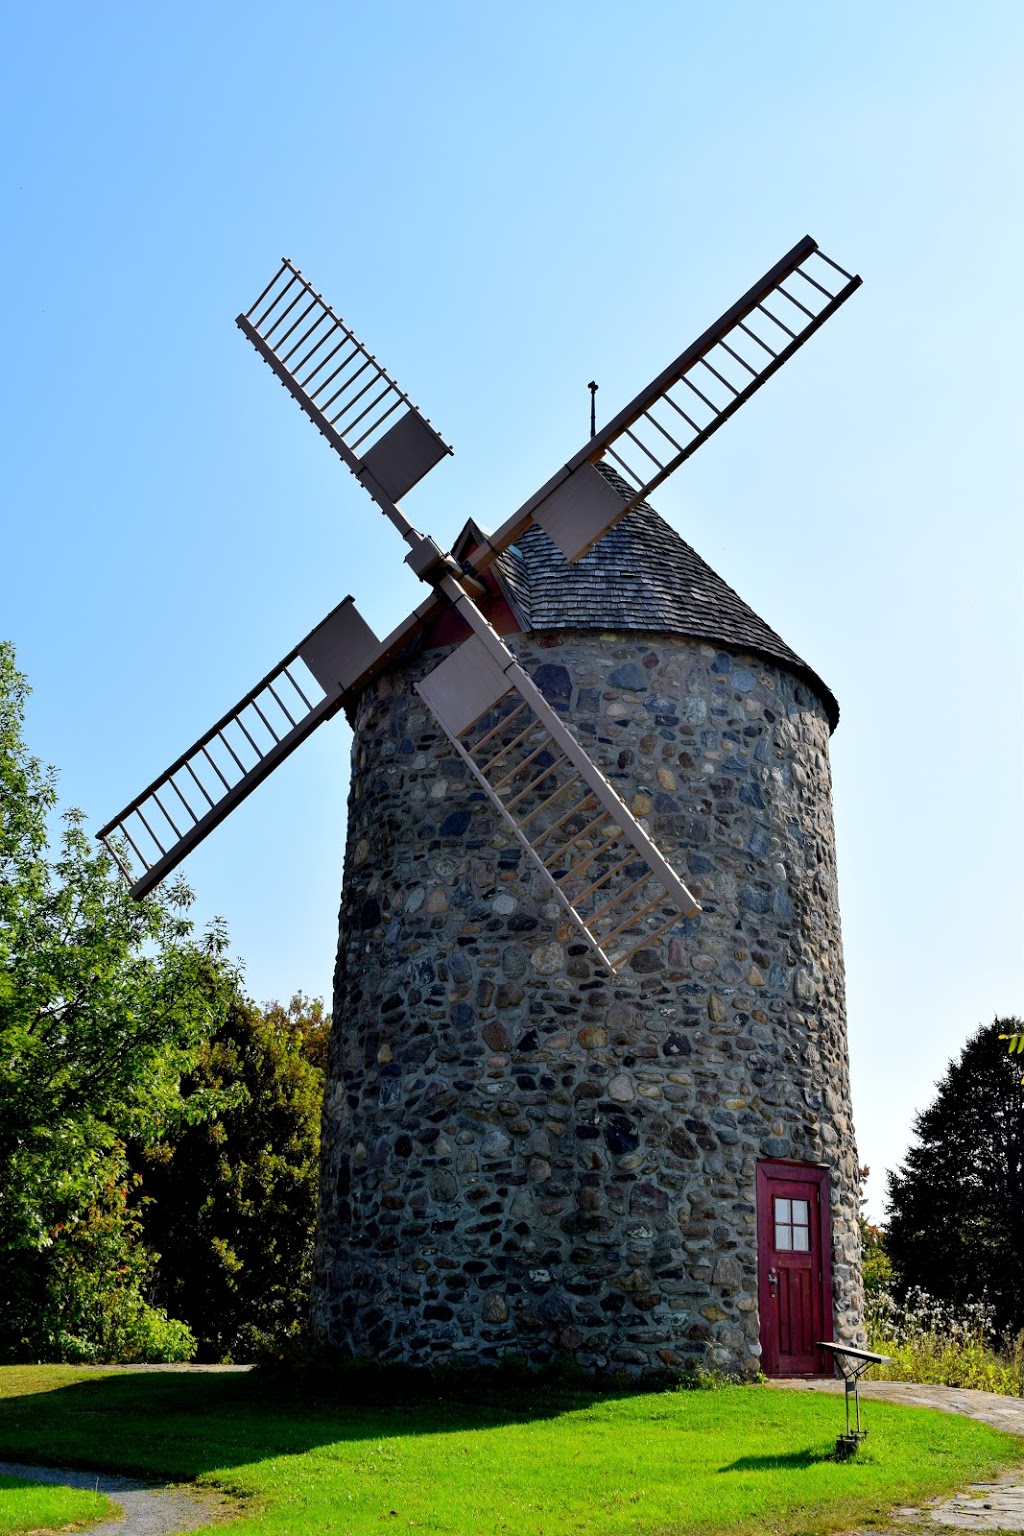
310	1455
26	1506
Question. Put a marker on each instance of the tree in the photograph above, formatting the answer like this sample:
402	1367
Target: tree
305	1020
875	1264
104	1002
1015	1042
229	1201
956	1206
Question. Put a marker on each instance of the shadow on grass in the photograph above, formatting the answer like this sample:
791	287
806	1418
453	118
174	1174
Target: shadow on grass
790	1460
182	1425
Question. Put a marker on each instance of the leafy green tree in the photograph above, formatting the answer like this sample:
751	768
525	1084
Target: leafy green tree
876	1265
1015	1042
104	1003
229	1201
84	1297
306	1023
956	1206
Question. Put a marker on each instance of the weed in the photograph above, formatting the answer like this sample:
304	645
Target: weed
933	1341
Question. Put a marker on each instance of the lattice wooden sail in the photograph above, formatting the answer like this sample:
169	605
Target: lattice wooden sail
599	863
157	829
688	402
364	415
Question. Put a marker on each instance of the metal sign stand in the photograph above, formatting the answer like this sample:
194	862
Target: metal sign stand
853	1363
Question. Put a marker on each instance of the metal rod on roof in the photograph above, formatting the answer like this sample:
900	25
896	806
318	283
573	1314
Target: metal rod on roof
593	408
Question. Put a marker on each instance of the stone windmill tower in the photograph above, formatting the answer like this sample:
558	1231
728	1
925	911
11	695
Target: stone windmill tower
575	1107
522	1153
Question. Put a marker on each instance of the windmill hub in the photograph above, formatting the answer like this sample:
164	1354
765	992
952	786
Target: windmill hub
429	561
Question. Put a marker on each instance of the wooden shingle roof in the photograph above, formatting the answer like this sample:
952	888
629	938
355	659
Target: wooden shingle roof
641	576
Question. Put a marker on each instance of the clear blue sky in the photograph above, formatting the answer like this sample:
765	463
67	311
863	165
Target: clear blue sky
506	202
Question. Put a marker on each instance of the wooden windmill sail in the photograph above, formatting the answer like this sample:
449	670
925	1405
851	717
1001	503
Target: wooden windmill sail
601	865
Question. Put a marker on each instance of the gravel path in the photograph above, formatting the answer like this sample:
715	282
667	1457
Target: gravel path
148	1510
995	1506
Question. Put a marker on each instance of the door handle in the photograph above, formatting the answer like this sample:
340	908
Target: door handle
773	1280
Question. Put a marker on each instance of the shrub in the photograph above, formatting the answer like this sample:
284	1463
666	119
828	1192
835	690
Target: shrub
81	1297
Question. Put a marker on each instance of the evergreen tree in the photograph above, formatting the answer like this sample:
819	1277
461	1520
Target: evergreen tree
956	1206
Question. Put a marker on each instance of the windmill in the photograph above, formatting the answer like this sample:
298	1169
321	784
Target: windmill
599	863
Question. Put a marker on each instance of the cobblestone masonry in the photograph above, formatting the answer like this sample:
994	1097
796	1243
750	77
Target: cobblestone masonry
522	1154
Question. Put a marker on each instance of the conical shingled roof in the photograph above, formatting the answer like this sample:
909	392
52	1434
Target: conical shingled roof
642	576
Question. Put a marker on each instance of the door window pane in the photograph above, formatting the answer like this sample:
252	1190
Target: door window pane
801	1226
792	1225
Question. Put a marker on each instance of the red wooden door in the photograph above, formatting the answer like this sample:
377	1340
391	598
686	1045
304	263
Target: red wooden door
794	1248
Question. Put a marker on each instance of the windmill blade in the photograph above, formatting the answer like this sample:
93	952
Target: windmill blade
389	445
598	862
680	409
172	816
386	442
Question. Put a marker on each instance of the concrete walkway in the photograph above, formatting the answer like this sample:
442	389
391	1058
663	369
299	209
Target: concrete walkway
146	1510
995	1506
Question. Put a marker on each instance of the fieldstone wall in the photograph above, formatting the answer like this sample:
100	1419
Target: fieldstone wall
522	1154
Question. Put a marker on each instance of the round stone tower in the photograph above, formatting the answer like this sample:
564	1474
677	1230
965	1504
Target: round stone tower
522	1154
